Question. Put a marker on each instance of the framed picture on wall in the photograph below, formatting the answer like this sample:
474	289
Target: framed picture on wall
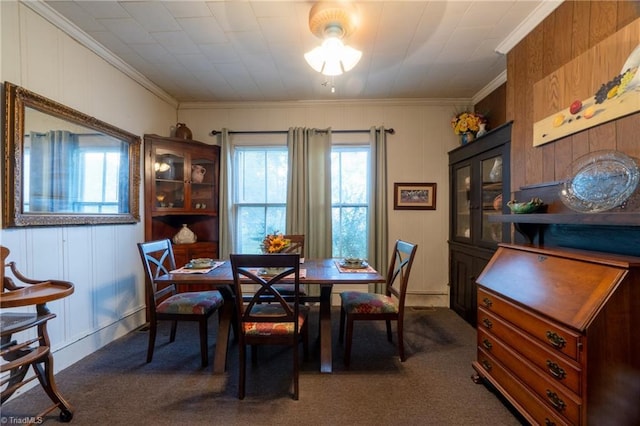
414	196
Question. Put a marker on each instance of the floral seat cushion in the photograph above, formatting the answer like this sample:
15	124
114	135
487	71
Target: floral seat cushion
191	303
356	302
273	328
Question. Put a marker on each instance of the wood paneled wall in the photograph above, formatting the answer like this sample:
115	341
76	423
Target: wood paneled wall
493	107
573	28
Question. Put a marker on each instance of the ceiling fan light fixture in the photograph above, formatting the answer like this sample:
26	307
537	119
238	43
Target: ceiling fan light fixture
332	22
333	57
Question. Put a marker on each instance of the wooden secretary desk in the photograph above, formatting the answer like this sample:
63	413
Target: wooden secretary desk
559	332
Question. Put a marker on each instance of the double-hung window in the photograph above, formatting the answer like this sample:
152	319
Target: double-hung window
349	200
260	193
260	196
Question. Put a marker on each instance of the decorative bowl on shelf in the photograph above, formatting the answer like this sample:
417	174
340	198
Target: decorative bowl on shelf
600	181
534	206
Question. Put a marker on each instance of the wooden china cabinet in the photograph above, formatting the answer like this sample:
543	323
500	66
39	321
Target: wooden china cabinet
479	189
177	194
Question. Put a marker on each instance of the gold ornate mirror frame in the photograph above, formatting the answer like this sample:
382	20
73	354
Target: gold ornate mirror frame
63	167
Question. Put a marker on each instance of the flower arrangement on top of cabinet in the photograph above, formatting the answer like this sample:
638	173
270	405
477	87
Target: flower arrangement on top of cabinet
466	122
274	243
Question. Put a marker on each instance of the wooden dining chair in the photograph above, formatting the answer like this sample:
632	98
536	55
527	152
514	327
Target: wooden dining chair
296	245
167	304
389	306
279	322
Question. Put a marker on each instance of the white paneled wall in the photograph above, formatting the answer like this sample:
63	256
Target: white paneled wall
416	153
102	261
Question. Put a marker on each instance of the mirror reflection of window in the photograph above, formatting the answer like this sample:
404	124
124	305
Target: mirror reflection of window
73	171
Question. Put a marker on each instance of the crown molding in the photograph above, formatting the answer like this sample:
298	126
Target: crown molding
73	31
526	26
533	20
493	85
312	103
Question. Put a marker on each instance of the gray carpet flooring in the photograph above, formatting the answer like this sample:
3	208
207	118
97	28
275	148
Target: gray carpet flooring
114	386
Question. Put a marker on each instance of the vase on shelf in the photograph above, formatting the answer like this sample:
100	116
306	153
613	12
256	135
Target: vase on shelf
184	236
496	170
197	173
467	137
183	132
482	129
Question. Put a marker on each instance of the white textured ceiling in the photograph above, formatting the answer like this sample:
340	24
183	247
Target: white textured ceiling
221	51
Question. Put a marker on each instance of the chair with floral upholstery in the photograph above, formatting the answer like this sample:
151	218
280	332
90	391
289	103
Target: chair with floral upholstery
279	322
167	304
389	306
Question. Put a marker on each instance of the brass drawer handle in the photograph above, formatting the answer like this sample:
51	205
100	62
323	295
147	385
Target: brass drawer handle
555	401
549	422
487	344
487	323
487	302
486	364
556	340
556	371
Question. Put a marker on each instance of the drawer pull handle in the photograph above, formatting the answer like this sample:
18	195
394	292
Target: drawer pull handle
487	344
487	323
556	341
556	371
548	422
555	401
486	364
487	302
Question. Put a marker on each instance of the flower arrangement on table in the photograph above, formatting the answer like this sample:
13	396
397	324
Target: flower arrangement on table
466	122
274	243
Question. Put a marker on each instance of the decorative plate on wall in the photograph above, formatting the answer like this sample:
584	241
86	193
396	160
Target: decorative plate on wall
599	181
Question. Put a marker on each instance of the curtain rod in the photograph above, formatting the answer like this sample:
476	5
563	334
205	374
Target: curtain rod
391	131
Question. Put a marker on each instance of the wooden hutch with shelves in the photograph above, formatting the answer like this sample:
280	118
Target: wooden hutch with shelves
479	185
181	188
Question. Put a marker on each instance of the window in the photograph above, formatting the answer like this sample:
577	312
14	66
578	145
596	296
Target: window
260	194
349	200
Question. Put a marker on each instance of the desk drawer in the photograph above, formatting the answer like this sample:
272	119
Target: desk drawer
516	392
551	334
556	396
550	362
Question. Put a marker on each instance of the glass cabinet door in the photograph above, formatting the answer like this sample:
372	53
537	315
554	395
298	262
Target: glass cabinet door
202	184
491	196
462	202
169	180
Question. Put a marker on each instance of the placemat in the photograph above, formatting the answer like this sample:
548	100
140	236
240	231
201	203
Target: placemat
367	270
184	270
303	274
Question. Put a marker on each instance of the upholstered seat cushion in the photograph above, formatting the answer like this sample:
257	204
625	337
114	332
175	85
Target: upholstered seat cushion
273	328
191	303
356	302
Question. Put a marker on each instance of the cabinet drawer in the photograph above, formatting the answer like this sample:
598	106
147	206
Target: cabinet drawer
516	392
550	362
551	334
556	396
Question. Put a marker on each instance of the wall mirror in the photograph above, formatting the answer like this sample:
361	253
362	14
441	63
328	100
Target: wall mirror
62	167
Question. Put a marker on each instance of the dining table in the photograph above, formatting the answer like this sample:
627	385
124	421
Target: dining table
324	273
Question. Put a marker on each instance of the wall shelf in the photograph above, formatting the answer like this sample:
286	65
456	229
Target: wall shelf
603	219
